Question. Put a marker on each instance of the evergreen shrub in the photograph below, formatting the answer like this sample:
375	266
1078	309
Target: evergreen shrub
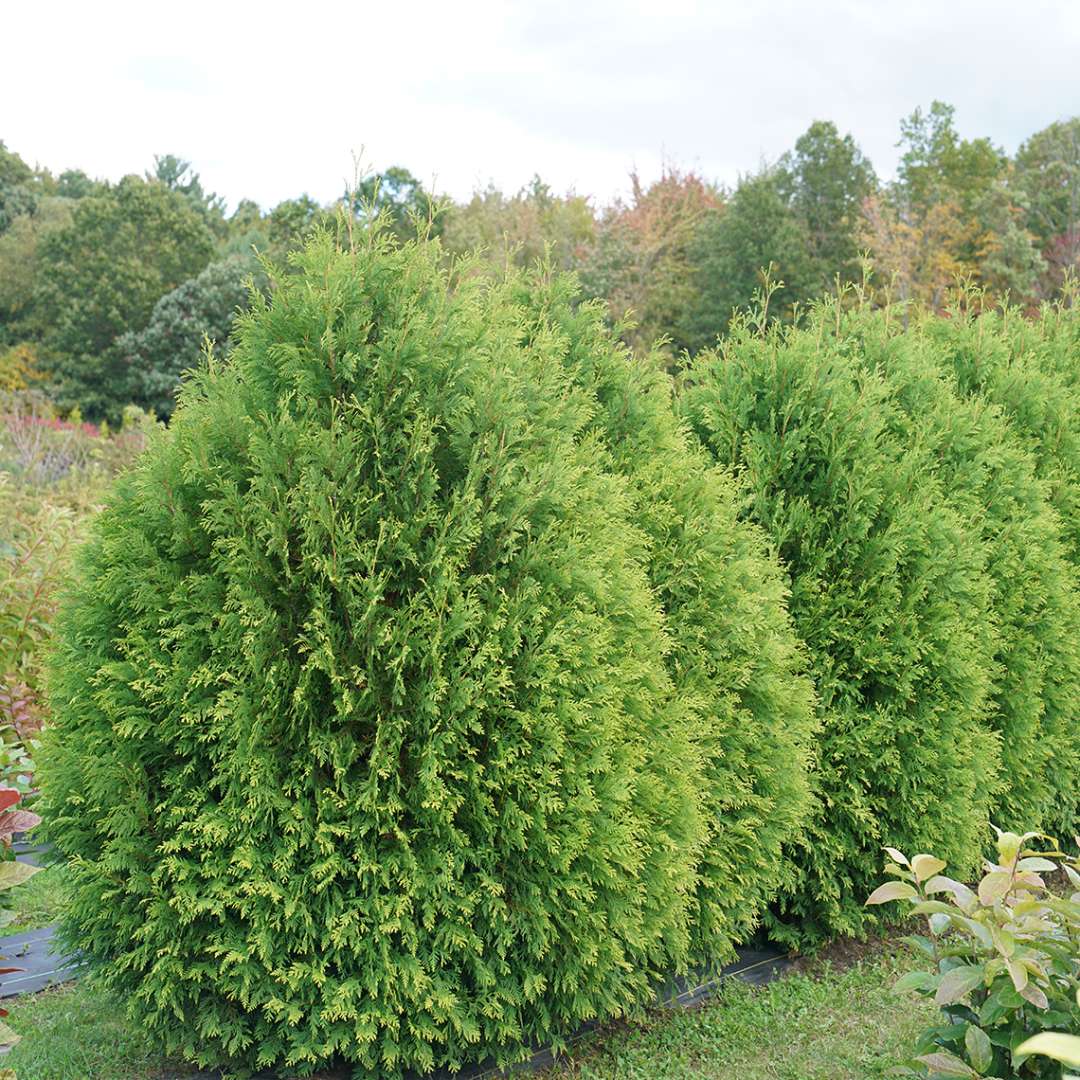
992	481
1028	368
888	593
365	744
734	660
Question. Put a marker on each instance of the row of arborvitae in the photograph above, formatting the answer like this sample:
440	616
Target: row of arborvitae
932	582
429	688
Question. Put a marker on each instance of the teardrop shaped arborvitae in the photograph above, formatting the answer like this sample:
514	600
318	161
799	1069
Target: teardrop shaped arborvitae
734	661
364	746
991	479
888	592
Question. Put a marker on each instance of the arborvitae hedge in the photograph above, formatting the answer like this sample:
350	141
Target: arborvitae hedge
734	660
1029	368
991	480
364	741
889	595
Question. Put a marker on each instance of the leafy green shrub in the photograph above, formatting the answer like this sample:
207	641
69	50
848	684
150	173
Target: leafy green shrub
734	660
364	745
991	480
1006	959
12	873
887	592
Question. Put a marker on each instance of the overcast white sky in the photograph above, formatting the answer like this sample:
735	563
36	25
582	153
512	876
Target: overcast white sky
269	101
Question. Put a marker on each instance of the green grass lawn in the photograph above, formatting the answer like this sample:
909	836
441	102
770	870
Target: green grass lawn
823	1024
72	1033
37	901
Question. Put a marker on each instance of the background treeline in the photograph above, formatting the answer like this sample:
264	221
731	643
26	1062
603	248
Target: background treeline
108	290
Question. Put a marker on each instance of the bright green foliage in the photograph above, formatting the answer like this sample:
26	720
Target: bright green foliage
364	743
991	481
1004	958
201	309
102	274
887	592
1027	368
734	661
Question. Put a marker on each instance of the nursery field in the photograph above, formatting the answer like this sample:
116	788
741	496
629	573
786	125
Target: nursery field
444	676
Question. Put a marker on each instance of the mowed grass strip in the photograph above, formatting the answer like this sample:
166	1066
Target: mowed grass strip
77	1033
821	1024
825	1024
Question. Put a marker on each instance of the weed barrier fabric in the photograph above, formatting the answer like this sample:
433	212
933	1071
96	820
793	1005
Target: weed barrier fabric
42	963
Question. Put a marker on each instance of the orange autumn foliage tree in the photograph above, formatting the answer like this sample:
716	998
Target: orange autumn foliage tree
640	261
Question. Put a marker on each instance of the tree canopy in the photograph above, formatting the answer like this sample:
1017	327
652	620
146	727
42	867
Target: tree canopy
103	273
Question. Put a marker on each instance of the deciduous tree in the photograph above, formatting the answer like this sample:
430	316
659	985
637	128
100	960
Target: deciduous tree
641	261
757	235
534	224
101	276
1048	173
